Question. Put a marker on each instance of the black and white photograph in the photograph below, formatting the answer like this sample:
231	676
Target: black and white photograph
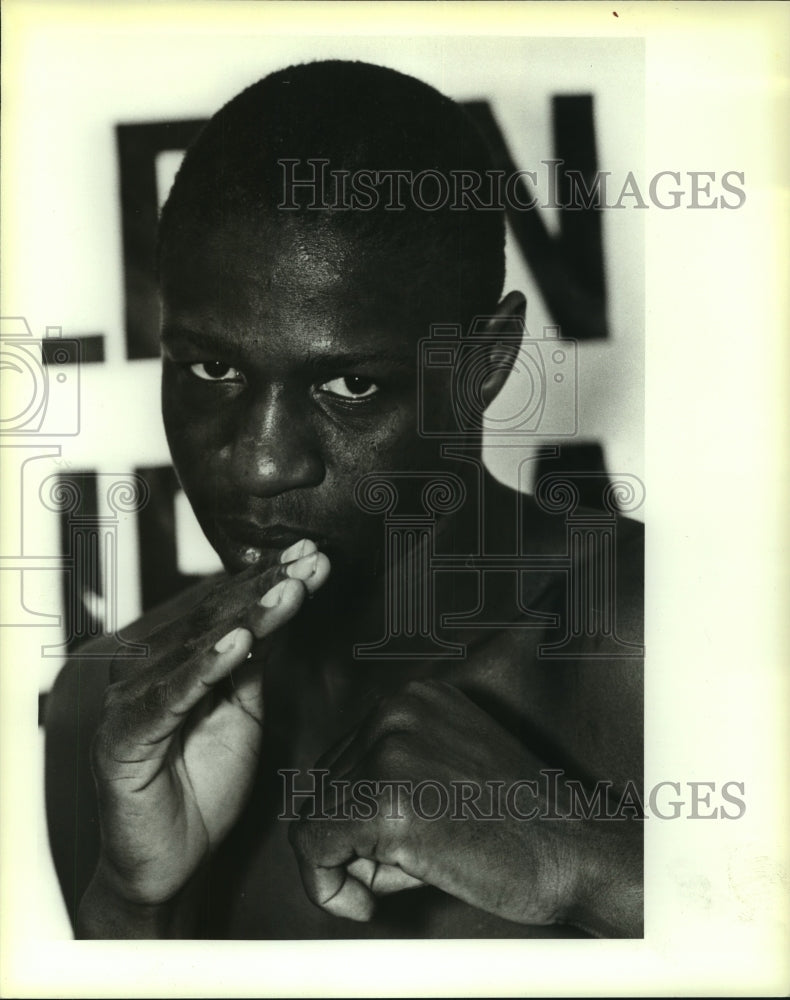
391	576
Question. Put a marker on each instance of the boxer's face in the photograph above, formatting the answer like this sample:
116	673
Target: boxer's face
290	371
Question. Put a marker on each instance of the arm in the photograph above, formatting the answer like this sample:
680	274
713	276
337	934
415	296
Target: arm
608	900
515	850
584	869
106	913
72	715
173	749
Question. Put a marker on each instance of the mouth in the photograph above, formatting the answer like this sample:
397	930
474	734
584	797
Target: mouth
245	543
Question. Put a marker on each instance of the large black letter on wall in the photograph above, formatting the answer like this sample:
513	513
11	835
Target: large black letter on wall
570	269
138	147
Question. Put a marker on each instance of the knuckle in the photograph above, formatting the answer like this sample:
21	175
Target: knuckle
426	691
103	748
392	754
114	697
203	617
415	688
192	645
266	580
157	696
213	604
403	710
302	837
110	698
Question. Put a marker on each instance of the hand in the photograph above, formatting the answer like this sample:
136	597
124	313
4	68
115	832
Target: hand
433	733
178	741
532	871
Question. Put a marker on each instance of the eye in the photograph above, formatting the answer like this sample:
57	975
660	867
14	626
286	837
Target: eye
215	371
350	387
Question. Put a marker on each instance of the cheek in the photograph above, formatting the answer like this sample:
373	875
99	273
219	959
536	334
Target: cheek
392	444
193	436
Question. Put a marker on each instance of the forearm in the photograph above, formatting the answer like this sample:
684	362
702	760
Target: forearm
607	895
105	913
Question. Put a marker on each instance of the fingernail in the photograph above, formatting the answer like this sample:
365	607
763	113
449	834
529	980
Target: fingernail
273	597
301	548
228	642
303	568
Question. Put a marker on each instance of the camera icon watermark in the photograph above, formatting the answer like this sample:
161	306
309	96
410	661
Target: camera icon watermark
41	400
458	366
41	382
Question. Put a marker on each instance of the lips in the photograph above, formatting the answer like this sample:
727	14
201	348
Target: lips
246	542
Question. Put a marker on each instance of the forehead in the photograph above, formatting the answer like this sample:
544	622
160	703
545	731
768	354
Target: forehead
283	277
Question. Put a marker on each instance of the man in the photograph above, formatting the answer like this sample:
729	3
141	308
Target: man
298	281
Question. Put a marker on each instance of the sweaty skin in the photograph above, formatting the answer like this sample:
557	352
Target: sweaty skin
277	397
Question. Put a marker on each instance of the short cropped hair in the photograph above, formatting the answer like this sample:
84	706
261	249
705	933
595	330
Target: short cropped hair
358	117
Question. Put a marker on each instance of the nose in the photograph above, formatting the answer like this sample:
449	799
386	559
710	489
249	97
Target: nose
275	448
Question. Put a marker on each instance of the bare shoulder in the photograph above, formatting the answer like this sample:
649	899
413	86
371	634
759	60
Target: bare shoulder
567	673
597	676
71	716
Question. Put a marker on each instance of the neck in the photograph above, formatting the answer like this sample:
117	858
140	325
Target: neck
398	597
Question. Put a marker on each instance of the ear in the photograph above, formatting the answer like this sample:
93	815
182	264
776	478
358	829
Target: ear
510	315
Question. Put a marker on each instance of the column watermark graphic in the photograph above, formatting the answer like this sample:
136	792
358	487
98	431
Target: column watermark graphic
409	535
41	408
457	365
91	557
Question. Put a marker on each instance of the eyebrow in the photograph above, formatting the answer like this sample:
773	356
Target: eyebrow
311	359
